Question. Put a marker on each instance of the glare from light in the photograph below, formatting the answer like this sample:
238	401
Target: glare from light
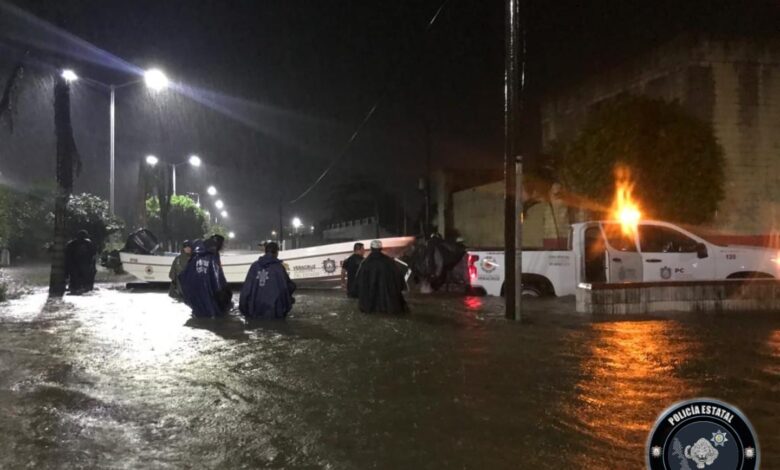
232	235
312	228
219	204
151	160
273	232
197	204
155	79
69	75
224	214
207	213
212	191
195	160
296	222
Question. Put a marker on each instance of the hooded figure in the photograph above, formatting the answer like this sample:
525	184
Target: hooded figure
202	280
380	283
179	263
267	289
80	258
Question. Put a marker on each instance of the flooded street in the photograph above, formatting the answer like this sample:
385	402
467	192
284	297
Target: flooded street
117	379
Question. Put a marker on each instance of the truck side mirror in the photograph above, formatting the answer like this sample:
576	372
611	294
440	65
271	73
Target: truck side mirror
701	250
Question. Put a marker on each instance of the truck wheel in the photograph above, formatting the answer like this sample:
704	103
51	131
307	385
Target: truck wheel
531	291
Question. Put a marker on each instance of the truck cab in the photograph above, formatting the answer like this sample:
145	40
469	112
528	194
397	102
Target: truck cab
603	252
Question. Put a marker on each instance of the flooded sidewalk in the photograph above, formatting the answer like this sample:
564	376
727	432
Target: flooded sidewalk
116	379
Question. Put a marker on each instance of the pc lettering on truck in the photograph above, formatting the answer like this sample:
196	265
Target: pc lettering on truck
600	251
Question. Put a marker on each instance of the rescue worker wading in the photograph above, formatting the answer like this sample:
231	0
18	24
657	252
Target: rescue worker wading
80	259
179	263
202	280
267	289
350	268
380	283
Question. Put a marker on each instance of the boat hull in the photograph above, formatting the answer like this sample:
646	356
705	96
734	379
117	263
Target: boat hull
318	266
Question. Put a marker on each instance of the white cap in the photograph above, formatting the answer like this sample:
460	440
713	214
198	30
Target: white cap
376	244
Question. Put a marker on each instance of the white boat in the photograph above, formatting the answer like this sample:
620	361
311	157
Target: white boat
313	266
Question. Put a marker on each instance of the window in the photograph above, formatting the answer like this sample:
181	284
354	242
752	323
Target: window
656	239
617	239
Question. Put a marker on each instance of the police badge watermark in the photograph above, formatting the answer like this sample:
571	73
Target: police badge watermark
702	433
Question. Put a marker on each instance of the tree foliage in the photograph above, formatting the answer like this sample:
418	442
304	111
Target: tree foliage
25	228
675	160
186	220
91	213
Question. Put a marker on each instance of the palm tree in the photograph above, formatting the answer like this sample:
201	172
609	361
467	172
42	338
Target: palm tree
67	160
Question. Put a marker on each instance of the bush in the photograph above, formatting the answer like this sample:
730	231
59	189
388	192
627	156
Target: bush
674	159
186	221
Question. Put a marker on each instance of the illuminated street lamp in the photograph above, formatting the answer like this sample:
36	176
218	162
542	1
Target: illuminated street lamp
212	191
232	235
69	75
194	161
151	160
219	204
154	79
224	214
296	223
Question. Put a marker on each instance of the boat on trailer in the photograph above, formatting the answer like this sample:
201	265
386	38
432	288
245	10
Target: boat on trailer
316	266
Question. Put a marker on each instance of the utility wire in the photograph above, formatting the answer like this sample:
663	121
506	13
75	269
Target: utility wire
365	120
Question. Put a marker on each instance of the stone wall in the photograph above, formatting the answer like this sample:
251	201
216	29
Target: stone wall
735	85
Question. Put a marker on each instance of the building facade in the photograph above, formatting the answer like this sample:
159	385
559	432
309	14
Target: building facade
732	84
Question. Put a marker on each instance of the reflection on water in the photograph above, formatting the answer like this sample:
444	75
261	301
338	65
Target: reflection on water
114	379
630	370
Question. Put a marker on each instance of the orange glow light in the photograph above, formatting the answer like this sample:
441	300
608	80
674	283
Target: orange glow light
624	209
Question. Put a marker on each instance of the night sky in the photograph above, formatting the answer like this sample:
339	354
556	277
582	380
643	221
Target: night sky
279	87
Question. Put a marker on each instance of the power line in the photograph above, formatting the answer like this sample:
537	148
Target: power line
365	120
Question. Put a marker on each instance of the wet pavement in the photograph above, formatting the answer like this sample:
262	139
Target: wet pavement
117	379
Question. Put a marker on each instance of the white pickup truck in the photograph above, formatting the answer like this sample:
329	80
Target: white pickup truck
602	252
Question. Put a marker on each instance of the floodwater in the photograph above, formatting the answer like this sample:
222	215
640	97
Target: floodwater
117	379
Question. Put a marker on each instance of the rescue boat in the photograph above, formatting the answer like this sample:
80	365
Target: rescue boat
312	266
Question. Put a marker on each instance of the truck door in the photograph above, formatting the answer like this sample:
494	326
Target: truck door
670	255
624	263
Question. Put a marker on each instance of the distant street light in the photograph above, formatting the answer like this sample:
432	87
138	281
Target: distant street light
69	75
296	223
194	161
232	235
224	214
219	204
151	160
155	79
312	228
212	191
273	233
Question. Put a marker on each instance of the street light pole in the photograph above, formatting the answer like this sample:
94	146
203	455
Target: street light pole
112	119
174	179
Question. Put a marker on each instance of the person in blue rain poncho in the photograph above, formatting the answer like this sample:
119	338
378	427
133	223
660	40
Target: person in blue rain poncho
202	280
267	290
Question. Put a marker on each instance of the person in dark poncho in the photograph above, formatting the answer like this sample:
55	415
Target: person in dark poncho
267	290
380	283
202	280
350	267
80	258
178	265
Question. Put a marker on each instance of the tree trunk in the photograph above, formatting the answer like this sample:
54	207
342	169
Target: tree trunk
66	150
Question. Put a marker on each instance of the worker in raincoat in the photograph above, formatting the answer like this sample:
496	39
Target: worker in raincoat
80	259
267	290
202	280
350	268
179	263
380	283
